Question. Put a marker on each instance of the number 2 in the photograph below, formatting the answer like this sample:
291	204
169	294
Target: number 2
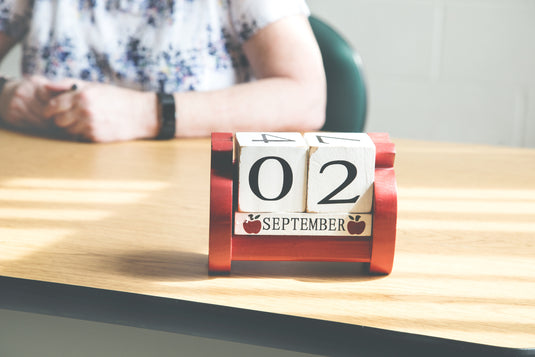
351	175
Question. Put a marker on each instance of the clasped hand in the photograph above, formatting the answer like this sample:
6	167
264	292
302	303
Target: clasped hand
93	112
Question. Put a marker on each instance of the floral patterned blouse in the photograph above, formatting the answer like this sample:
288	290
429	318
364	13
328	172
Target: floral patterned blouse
153	45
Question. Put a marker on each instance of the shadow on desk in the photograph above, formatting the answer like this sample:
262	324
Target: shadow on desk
160	264
188	266
53	133
321	272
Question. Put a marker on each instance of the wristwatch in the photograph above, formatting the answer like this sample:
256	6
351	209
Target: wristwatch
3	81
166	117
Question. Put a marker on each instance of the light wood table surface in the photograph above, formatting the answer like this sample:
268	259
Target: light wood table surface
133	217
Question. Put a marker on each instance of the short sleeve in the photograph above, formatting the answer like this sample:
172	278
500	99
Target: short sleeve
249	16
15	17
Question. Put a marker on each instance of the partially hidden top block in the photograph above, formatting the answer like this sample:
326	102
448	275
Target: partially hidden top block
272	171
341	172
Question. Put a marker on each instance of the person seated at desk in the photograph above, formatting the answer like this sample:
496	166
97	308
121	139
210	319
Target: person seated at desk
114	70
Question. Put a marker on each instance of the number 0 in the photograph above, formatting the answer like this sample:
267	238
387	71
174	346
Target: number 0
286	183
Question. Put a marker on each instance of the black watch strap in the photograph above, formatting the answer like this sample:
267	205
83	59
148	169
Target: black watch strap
3	81
166	103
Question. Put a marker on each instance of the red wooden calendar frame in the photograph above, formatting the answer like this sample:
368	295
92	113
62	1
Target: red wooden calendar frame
225	246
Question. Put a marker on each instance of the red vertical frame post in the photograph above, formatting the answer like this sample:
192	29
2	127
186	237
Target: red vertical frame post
221	186
385	206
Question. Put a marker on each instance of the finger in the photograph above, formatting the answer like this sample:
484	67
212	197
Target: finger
36	87
43	94
61	86
79	131
65	119
60	104
22	110
33	119
54	89
37	78
37	108
77	127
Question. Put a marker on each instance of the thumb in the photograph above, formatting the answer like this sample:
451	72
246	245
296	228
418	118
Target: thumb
62	86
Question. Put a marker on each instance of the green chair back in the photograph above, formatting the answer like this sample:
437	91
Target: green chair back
346	87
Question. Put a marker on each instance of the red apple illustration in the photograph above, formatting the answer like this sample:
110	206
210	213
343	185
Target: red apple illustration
355	226
253	225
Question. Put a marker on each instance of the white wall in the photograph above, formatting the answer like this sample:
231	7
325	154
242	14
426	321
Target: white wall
10	66
449	70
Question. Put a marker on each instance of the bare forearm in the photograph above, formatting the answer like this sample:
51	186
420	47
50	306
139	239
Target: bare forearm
290	94
274	104
102	113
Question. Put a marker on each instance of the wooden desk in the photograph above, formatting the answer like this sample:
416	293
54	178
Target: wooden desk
133	217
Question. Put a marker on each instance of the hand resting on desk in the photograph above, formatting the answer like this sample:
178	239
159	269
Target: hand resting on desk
96	112
23	101
100	112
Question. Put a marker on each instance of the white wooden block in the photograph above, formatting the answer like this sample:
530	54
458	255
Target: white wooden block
341	172
271	172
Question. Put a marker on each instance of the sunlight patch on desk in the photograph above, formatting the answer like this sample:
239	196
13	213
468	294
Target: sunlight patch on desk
69	184
24	242
53	214
459	205
466	225
69	196
422	266
490	195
